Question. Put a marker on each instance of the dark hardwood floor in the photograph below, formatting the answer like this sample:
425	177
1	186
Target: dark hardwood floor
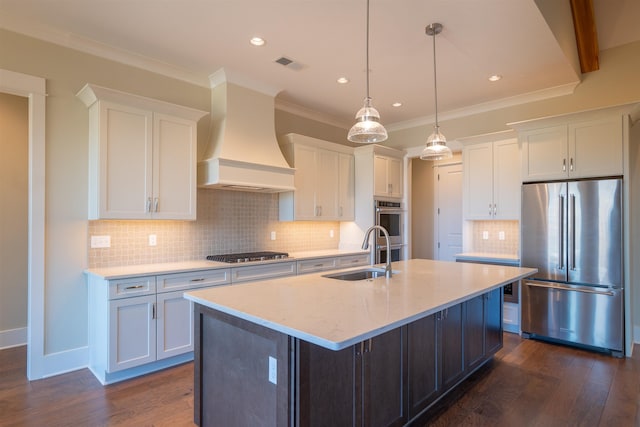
529	383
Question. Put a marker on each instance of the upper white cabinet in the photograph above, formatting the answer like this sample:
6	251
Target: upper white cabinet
387	177
574	149
380	174
142	156
324	180
491	178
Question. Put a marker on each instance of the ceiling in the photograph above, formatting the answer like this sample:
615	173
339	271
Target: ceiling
191	39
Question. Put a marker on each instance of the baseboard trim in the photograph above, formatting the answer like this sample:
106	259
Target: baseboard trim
65	361
13	338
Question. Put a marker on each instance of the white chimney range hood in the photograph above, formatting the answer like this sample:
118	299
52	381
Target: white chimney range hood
242	151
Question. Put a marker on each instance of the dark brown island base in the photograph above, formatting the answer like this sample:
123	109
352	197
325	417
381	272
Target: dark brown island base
384	353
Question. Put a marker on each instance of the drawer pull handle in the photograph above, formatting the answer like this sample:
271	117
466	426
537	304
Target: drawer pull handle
318	265
134	287
201	279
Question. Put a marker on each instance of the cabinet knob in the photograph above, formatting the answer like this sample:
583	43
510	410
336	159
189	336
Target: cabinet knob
148	208
155	204
564	165
571	164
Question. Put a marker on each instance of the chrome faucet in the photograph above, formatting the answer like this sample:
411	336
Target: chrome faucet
365	246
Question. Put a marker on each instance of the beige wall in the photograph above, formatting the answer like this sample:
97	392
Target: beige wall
422	200
14	139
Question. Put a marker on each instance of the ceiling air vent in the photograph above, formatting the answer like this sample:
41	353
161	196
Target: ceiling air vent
289	63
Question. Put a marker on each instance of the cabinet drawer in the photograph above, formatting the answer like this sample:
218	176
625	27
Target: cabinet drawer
198	279
318	264
262	271
132	287
354	260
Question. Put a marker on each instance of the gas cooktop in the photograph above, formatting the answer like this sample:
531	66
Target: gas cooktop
248	256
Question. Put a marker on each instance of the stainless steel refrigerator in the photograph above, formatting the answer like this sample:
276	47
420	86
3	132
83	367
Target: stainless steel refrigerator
572	233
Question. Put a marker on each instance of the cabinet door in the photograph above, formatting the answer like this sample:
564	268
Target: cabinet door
422	366
132	332
346	187
174	325
493	321
452	366
474	332
544	154
595	148
327	182
478	181
305	182
124	156
380	180
394	175
326	386
506	180
384	380
174	168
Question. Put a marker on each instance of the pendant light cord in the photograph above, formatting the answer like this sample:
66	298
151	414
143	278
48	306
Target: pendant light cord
367	49
435	78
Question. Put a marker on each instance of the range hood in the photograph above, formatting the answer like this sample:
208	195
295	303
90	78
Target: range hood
243	152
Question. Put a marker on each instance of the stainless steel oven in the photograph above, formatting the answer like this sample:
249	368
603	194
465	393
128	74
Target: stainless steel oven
389	215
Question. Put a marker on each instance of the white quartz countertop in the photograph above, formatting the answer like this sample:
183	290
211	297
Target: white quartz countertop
110	273
488	257
336	314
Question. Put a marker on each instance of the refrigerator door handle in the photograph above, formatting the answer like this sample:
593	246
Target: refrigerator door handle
569	288
572	263
561	234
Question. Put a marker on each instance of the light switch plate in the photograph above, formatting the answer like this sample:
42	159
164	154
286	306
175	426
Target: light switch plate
273	370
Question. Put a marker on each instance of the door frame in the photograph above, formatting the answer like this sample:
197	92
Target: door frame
33	88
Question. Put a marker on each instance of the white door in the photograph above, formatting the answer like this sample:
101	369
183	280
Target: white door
448	211
132	332
174	325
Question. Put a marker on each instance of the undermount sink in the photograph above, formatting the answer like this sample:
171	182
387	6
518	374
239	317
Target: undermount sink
367	273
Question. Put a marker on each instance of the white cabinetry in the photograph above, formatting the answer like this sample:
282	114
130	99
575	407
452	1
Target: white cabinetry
313	265
324	180
491	179
387	176
140	324
142	156
574	149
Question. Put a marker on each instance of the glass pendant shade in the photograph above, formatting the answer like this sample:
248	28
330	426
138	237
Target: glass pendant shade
436	148
367	129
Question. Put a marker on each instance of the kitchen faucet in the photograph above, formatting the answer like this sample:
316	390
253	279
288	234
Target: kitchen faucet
365	246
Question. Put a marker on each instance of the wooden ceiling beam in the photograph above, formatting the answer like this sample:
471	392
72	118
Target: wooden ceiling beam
584	24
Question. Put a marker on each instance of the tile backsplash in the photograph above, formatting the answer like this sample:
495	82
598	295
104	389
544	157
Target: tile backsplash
227	222
493	244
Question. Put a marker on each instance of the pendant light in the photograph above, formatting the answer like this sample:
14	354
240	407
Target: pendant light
368	128
436	148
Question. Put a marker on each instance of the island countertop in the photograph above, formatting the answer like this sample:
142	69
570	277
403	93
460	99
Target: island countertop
336	314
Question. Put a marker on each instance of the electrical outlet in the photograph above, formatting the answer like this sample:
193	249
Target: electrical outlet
273	370
331	233
485	235
273	235
100	241
153	240
501	235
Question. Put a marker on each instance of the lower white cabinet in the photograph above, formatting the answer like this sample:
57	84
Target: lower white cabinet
141	324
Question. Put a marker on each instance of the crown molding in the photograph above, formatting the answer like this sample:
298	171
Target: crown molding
484	107
311	114
92	47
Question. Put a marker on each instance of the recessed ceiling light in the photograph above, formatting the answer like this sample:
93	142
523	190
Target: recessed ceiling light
257	41
342	80
397	104
495	78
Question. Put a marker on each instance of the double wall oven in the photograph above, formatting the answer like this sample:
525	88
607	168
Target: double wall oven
389	215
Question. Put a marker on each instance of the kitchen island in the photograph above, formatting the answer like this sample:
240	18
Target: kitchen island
313	350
